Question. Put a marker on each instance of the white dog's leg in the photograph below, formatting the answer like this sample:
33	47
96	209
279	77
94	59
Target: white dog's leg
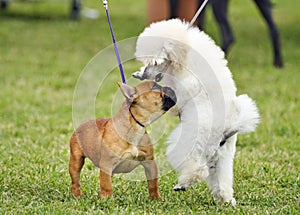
220	179
191	172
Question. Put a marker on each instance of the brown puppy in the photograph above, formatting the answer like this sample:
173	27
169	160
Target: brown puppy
121	143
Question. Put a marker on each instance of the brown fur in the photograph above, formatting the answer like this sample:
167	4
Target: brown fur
120	144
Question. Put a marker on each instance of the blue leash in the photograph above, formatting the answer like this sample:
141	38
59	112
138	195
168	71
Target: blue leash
105	4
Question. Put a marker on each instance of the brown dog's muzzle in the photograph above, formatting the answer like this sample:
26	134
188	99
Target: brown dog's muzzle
169	98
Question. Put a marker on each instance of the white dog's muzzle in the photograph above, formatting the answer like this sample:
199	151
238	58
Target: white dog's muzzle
153	71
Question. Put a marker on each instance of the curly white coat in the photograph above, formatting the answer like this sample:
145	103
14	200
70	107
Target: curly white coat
188	60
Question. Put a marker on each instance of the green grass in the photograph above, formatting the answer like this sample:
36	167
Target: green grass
42	54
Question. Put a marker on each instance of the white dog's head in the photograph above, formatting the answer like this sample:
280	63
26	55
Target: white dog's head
162	47
155	70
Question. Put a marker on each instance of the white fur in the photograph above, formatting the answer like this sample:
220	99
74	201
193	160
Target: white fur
206	102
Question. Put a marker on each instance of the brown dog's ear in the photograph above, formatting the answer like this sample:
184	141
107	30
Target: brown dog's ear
128	91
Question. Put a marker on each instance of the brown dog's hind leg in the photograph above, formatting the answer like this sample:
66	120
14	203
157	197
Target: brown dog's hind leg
75	165
105	184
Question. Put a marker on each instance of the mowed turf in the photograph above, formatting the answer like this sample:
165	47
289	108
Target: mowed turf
43	54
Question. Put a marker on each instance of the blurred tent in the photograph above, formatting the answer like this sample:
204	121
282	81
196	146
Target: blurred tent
74	11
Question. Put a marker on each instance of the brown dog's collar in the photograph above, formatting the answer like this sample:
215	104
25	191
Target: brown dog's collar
140	124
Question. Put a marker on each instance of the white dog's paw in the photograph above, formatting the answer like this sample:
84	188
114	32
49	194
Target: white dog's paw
179	187
226	196
233	202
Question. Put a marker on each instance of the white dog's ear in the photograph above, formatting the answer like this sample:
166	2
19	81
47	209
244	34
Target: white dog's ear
128	91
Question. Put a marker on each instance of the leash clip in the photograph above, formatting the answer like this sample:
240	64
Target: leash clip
105	4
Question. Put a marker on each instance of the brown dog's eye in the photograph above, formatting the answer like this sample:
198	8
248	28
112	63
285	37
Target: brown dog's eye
133	103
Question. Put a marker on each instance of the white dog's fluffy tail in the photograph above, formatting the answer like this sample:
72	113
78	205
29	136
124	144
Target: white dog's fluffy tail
246	118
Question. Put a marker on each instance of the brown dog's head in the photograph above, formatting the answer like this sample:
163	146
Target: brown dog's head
148	100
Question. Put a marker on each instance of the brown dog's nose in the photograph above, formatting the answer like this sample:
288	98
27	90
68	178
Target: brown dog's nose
170	93
169	98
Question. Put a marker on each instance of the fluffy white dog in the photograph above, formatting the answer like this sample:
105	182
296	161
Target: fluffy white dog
202	146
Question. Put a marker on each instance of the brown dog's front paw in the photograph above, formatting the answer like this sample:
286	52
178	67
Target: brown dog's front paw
134	154
104	195
76	191
141	156
155	196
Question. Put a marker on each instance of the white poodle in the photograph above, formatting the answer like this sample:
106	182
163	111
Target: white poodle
202	146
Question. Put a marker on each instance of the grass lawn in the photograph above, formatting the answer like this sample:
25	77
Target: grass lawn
42	55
